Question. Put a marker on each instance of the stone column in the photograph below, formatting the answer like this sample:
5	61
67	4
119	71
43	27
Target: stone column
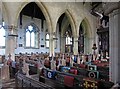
62	44
78	59
75	47
11	34
5	73
51	47
63	60
114	36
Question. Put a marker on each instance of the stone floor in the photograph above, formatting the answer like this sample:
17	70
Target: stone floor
10	84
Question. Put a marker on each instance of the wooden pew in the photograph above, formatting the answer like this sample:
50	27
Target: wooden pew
32	70
103	71
22	81
60	78
79	80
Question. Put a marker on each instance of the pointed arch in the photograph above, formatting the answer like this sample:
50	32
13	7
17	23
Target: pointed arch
4	13
3	31
43	9
31	23
31	36
71	21
47	37
86	34
86	26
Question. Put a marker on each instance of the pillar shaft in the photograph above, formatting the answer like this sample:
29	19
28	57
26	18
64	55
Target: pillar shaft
75	47
62	44
114	36
10	41
52	45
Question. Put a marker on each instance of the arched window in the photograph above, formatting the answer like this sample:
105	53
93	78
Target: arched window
47	40
32	36
2	36
68	40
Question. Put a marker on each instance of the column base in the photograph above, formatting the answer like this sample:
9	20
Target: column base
5	73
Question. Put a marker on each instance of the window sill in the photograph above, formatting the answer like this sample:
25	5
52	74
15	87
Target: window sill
47	47
31	48
2	47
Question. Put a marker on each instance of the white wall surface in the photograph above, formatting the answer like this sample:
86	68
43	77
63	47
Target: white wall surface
21	33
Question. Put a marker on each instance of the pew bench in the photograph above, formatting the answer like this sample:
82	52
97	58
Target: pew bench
23	81
76	81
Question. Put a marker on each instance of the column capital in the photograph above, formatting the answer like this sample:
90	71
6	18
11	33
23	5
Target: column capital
76	36
54	33
11	30
10	27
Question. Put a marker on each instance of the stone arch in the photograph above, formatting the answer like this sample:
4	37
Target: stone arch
4	13
35	31
4	16
31	23
43	9
71	20
87	35
86	26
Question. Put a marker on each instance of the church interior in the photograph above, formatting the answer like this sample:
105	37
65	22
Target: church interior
54	45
